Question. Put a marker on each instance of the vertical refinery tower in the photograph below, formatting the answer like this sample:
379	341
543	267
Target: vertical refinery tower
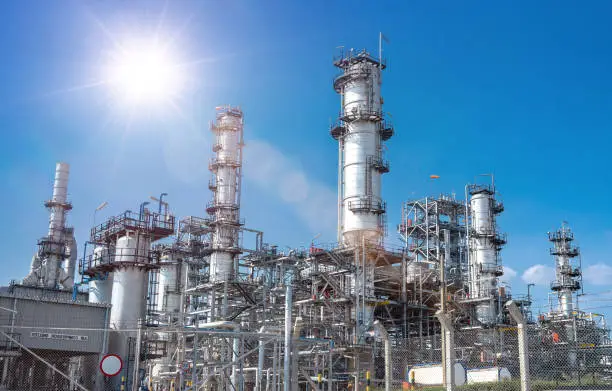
54	264
224	209
567	277
484	243
360	132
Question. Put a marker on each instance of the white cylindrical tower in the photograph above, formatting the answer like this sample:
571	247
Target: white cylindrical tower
485	243
169	296
53	248
567	277
360	132
57	217
226	168
130	279
101	285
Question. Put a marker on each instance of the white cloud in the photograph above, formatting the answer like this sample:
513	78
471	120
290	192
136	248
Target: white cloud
509	273
539	275
598	274
314	202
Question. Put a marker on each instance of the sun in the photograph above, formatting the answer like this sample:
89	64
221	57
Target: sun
144	73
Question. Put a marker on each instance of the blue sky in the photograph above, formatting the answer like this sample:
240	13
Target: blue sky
520	89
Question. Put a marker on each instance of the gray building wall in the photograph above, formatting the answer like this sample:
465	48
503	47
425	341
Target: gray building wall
47	319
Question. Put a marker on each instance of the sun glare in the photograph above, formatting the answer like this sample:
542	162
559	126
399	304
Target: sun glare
144	73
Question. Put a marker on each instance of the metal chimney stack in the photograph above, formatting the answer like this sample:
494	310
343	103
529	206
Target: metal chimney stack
54	247
360	132
53	264
224	209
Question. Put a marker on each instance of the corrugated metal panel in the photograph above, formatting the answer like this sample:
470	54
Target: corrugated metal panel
42	324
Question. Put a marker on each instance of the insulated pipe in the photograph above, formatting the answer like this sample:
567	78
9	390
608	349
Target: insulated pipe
382	332
136	377
234	378
33	278
67	272
518	317
297	329
261	356
287	356
448	366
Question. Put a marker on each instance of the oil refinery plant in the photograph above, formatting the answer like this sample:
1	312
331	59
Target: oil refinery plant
186	304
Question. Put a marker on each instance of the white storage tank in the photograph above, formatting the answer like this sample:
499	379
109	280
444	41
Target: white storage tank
431	374
130	282
101	287
488	375
169	297
132	248
129	297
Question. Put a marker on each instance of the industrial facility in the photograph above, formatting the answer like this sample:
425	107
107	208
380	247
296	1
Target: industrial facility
186	304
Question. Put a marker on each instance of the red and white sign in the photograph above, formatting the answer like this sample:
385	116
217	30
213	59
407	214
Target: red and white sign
111	365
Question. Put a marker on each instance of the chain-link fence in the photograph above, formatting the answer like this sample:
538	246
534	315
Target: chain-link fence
228	358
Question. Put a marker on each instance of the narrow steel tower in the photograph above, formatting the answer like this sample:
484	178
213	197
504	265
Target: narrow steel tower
224	209
567	277
484	243
360	131
53	265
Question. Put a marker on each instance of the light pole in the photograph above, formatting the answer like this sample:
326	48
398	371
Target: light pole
529	292
99	208
160	200
142	209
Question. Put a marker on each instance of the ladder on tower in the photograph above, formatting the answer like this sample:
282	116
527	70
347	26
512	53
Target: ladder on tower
131	359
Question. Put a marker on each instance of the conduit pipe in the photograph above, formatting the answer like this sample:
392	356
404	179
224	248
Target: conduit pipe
260	359
297	330
523	347
69	265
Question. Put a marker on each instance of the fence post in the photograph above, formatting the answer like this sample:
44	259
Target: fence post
448	366
516	314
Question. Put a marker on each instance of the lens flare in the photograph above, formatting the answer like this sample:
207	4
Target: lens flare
144	73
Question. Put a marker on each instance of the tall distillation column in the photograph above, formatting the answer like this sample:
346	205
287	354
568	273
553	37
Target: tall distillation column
485	243
360	132
224	209
567	278
55	261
